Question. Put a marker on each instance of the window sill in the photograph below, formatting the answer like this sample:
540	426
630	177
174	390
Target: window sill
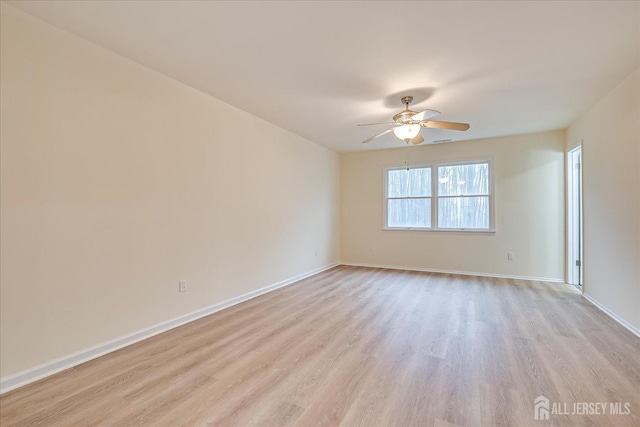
440	230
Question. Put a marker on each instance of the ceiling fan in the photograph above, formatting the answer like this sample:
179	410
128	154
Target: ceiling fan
407	124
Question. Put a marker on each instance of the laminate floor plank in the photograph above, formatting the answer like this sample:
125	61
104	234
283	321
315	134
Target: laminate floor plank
356	346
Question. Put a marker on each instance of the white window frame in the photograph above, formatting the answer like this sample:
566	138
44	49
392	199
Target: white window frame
435	197
386	199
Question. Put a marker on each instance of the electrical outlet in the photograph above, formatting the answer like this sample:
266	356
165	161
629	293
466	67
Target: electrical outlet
182	286
510	256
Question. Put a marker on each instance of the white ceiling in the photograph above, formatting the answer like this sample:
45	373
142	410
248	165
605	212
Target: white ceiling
319	68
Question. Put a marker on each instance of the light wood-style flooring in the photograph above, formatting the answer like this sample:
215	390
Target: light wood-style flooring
360	347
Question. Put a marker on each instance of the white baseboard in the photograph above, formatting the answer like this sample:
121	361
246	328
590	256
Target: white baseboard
611	314
464	273
30	375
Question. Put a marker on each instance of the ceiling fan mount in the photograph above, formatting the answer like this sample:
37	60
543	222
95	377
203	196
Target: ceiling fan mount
407	113
406	124
406	100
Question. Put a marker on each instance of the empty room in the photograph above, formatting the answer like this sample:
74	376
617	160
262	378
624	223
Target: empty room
305	213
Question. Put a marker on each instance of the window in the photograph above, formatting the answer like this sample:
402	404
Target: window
409	198
463	196
439	197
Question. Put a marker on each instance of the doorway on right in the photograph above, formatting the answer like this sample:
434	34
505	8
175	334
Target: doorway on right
574	216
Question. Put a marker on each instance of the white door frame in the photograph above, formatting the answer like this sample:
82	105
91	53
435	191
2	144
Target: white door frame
574	216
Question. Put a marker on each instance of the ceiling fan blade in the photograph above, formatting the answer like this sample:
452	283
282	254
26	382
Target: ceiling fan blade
383	123
445	125
417	140
375	136
426	114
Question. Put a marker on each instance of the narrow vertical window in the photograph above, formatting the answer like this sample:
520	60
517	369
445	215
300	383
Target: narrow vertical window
409	198
463	197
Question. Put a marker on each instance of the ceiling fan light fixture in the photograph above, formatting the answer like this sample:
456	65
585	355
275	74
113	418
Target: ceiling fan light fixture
407	124
407	132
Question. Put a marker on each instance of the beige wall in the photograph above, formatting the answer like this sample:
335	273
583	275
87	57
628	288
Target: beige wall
529	188
610	134
118	181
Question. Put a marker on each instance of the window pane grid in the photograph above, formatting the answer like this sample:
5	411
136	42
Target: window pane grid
447	197
414	182
464	179
463	213
409	213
